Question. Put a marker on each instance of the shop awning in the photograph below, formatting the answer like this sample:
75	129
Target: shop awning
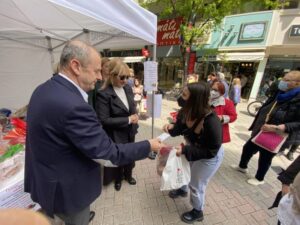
241	56
133	59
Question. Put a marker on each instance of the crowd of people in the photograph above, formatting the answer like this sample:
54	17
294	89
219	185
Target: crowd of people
64	177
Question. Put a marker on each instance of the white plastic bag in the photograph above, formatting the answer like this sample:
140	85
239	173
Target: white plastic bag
176	173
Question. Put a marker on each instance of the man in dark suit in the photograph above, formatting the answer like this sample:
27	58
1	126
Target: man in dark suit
64	135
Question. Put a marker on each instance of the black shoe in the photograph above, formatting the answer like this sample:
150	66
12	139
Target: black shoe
152	155
290	156
131	180
92	215
176	193
192	216
118	185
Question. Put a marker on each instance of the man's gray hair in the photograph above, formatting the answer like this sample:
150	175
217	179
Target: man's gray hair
75	50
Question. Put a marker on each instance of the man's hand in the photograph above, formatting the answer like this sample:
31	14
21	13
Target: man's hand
156	145
168	127
134	118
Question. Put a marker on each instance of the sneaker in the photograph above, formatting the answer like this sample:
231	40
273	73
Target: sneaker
290	156
192	216
176	193
255	182
237	168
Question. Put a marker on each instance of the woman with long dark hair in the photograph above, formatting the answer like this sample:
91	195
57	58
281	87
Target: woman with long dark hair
202	131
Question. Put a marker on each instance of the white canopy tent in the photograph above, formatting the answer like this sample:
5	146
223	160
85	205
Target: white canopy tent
33	33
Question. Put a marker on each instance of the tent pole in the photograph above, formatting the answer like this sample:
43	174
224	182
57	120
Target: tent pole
153	95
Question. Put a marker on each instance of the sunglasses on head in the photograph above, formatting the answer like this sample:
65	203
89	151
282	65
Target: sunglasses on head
123	77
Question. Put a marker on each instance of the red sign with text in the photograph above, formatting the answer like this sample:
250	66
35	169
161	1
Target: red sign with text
168	32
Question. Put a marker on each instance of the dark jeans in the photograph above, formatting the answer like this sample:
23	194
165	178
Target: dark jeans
264	159
125	171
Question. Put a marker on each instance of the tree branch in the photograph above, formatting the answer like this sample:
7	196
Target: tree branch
174	7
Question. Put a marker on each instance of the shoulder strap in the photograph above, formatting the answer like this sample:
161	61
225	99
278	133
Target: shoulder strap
269	113
196	123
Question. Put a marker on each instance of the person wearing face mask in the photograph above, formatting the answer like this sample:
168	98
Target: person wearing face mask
223	107
116	111
202	130
285	117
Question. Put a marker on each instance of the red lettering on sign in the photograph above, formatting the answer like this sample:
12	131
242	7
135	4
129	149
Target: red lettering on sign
168	32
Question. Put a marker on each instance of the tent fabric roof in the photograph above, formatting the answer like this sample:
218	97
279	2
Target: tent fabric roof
33	33
108	23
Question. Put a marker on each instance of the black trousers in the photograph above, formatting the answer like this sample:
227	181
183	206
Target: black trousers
124	171
264	160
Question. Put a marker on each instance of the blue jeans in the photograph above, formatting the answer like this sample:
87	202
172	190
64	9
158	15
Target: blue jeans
201	172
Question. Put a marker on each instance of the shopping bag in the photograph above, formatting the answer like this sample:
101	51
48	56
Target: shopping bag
162	158
270	141
176	173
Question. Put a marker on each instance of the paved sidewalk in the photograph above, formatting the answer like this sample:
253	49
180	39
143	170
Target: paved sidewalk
229	199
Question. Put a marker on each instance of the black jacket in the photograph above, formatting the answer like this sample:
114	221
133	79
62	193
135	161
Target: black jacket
287	113
207	143
287	177
113	114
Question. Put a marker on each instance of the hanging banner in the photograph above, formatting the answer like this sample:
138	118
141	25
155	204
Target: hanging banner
168	32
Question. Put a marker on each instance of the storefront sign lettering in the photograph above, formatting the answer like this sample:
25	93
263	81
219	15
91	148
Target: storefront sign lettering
168	32
295	31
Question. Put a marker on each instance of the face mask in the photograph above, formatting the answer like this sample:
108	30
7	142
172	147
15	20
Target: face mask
283	85
214	94
181	102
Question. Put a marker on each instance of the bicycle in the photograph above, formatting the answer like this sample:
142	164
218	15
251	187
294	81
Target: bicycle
254	107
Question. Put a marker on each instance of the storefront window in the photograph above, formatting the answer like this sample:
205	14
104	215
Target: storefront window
169	72
275	69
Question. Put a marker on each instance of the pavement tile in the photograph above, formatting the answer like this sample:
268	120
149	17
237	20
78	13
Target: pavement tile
170	218
215	218
246	209
260	215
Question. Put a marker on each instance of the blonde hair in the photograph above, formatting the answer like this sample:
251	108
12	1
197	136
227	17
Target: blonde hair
236	81
116	68
104	60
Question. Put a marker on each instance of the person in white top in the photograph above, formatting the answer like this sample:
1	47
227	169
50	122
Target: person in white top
289	206
116	110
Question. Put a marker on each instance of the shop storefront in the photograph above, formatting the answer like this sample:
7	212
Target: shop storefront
170	67
238	49
283	46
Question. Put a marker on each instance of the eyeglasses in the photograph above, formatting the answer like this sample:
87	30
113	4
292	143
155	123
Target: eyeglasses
123	77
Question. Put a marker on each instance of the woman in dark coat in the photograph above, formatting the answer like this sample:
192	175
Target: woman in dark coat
116	110
285	117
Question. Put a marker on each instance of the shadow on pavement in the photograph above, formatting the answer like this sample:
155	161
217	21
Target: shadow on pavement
241	128
245	113
244	137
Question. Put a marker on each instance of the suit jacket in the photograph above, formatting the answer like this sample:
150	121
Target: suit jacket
113	114
63	136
